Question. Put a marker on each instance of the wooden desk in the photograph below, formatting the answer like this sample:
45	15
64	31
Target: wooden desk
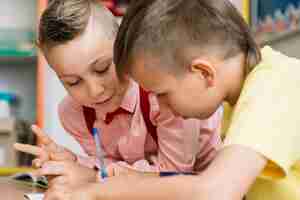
10	190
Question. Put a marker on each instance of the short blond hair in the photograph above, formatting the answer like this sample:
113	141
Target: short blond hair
165	27
64	20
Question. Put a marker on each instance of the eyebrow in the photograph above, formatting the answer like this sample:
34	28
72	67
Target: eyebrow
76	76
104	60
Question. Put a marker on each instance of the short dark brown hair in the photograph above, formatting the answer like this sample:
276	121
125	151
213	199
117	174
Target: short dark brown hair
64	20
165	27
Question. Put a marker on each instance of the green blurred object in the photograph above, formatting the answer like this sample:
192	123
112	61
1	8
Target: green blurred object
17	43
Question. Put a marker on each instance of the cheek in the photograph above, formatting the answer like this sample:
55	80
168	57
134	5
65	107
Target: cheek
110	80
177	102
185	102
79	94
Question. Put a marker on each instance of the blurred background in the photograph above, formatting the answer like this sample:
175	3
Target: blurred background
30	92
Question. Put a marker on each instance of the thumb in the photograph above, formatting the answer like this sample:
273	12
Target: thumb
110	169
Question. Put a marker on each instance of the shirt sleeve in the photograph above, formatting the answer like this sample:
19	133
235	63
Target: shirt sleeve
266	118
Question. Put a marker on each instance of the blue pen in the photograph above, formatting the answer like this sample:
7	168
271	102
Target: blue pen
99	153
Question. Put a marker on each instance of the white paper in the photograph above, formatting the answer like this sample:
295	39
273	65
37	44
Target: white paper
34	196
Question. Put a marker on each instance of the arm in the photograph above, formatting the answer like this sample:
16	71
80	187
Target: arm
221	176
218	182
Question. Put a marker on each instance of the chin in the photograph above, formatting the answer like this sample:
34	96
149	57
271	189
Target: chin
188	115
206	115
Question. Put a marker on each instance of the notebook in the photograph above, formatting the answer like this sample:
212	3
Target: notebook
34	196
28	179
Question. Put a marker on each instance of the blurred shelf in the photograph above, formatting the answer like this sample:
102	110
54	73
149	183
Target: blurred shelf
271	38
17	45
18	59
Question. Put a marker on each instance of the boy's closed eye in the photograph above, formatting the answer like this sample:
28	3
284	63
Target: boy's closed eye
102	67
102	71
72	83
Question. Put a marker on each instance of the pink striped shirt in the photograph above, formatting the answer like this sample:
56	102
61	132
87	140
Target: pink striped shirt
183	144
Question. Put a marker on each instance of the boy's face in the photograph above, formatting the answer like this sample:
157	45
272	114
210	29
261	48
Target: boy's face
85	68
188	95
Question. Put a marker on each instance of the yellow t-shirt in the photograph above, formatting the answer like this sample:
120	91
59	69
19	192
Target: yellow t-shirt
266	119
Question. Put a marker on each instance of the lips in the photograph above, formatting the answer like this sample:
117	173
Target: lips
103	102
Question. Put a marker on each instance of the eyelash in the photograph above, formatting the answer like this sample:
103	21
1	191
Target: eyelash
161	94
103	71
97	71
74	84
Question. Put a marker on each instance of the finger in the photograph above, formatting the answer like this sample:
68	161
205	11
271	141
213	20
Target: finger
58	182
45	141
51	168
50	178
55	194
110	169
121	169
41	136
59	156
38	162
26	148
153	160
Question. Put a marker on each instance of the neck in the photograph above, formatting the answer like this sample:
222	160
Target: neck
235	80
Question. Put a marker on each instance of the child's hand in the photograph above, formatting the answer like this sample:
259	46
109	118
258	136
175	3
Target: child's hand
66	173
123	169
65	192
46	146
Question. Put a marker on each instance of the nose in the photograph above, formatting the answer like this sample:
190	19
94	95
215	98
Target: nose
95	89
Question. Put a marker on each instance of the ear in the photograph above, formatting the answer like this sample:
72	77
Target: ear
206	69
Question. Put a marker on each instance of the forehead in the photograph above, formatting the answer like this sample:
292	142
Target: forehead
81	51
